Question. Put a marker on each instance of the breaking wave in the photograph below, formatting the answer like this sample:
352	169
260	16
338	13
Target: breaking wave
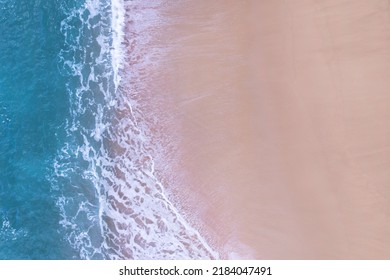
111	202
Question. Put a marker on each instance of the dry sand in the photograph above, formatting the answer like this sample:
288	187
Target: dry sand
283	112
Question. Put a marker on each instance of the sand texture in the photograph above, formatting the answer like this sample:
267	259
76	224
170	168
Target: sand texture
283	114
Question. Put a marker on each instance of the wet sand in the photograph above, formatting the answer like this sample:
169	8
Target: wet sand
280	113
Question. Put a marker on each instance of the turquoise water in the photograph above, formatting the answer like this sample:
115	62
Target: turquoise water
33	105
77	178
38	41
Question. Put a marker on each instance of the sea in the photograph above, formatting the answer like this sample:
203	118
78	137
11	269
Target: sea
77	175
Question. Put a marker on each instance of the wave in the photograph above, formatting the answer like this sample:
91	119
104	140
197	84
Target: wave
111	202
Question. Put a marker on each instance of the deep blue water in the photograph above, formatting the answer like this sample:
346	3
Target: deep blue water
35	94
33	107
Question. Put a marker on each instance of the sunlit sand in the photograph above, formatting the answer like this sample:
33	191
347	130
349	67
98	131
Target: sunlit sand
281	118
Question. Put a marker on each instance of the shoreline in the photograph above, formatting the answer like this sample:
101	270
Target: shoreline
166	231
281	111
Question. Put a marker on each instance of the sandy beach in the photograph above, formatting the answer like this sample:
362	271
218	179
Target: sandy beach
280	117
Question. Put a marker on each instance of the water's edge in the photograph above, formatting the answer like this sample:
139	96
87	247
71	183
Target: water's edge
111	202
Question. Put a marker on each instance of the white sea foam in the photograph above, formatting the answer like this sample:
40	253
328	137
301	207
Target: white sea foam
117	26
8	232
112	204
